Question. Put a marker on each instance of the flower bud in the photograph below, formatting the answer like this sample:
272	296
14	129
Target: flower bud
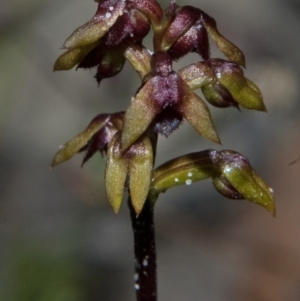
137	162
223	84
194	40
223	186
185	33
231	173
218	96
132	25
237	174
181	22
231	76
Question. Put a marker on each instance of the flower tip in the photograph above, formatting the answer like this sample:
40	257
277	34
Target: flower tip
270	206
56	67
53	164
58	158
116	209
242	61
137	210
215	138
264	109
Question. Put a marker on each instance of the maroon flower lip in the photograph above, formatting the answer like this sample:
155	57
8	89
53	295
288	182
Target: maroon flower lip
163	101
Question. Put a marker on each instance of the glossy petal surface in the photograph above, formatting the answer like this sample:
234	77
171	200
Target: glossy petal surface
232	52
68	150
93	30
115	173
140	172
138	116
72	57
196	112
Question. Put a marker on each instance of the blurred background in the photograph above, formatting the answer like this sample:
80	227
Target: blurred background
59	238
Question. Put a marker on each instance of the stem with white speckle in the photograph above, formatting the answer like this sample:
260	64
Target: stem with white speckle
145	252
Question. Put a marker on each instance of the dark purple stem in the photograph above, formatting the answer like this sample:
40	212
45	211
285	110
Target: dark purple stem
144	251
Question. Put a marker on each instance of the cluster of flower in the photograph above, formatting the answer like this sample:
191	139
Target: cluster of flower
165	98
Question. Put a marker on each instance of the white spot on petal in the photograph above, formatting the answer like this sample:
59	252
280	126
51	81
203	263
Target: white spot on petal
227	169
111	8
107	15
188	182
190	174
176	180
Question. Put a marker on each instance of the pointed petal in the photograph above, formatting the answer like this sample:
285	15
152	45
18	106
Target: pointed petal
140	172
251	188
115	173
269	203
72	57
251	98
138	116
239	173
243	91
196	112
68	150
93	30
139	57
232	52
